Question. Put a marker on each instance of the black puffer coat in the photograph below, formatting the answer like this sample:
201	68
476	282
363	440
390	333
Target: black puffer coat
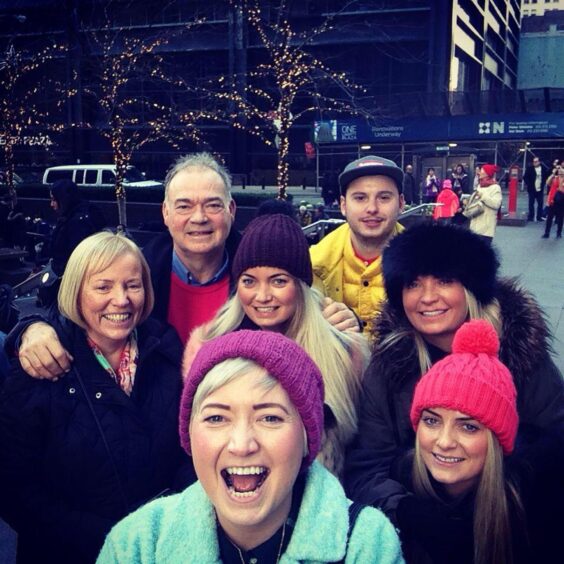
384	430
59	483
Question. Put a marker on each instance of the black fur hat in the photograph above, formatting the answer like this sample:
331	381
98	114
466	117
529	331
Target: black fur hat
443	251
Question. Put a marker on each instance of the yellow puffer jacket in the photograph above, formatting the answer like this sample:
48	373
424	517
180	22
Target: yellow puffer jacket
342	276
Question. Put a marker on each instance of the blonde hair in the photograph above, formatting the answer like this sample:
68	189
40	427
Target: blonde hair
229	371
340	357
92	255
491	522
490	312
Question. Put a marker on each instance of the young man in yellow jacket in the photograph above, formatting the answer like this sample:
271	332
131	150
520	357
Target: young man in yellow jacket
347	264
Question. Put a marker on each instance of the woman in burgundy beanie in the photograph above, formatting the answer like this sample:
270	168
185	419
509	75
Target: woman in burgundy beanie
273	272
467	505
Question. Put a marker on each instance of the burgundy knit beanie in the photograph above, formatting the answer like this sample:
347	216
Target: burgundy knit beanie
276	241
472	380
282	358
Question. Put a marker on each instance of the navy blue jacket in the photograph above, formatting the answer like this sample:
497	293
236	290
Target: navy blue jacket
62	484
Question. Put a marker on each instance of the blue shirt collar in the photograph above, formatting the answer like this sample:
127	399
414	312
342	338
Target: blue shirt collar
185	275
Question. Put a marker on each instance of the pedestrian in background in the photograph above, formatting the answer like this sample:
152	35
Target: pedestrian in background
431	187
460	181
555	204
410	191
450	204
535	178
484	204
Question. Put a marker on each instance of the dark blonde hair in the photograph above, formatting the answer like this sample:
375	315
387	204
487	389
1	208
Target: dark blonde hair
491	523
95	254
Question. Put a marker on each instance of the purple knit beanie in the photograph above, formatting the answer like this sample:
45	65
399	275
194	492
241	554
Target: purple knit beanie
474	381
276	241
282	358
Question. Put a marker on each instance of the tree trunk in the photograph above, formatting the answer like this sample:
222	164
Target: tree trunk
282	175
9	160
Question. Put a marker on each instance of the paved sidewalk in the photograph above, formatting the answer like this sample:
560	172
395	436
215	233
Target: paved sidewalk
539	264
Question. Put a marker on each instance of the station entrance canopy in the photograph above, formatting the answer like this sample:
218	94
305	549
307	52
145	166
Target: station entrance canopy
494	127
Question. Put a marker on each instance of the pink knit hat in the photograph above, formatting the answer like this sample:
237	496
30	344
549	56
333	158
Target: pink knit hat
282	358
473	381
447	184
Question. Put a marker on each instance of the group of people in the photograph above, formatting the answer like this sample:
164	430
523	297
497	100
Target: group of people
393	365
431	187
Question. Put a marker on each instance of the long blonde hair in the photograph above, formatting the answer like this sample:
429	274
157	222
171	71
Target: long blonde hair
491	522
340	357
490	312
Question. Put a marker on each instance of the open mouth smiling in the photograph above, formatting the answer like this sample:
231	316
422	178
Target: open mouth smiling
244	481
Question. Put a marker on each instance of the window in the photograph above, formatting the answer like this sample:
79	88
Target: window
54	175
91	177
79	176
108	177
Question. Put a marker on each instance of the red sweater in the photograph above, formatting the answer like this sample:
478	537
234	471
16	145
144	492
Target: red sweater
191	306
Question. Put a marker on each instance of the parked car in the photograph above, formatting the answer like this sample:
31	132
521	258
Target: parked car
96	175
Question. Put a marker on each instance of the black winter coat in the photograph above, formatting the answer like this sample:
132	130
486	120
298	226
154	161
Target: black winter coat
158	253
61	486
530	175
384	428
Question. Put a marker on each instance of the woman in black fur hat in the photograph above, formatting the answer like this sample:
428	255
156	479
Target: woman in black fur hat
438	277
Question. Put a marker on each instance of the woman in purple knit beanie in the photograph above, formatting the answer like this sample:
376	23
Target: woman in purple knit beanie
251	418
273	272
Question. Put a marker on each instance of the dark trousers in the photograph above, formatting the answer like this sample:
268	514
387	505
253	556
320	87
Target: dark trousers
555	212
538	198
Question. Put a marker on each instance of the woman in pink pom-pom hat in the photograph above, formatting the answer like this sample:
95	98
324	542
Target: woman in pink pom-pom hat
473	503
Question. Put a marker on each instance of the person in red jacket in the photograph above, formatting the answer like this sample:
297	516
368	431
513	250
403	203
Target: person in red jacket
555	204
449	201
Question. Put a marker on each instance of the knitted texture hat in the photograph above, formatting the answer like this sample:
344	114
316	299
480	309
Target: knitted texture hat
490	169
447	184
443	251
473	381
282	358
276	241
371	166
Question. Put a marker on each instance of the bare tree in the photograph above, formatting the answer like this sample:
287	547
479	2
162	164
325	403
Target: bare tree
291	83
23	83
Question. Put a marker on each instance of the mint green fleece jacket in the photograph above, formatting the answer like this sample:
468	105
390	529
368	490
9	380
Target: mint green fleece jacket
182	529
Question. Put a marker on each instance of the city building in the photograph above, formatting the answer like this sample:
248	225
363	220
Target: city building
440	78
540	7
